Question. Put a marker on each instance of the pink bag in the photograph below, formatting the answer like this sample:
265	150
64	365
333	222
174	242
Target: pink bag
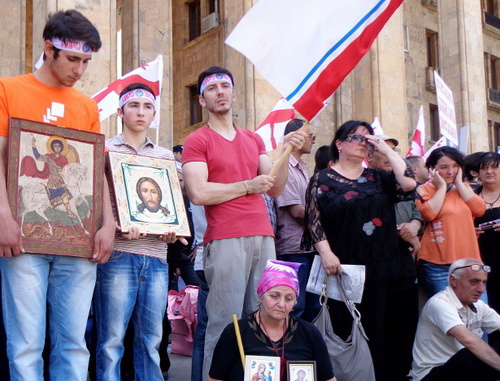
182	313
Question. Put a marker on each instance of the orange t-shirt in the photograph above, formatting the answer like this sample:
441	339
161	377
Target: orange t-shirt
450	234
26	97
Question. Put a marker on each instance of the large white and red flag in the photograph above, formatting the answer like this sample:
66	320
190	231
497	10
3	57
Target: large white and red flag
150	74
417	146
272	129
305	49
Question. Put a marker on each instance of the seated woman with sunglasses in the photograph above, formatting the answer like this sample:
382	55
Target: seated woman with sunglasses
350	219
272	331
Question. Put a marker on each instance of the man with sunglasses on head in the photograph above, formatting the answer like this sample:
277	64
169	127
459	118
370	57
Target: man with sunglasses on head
448	344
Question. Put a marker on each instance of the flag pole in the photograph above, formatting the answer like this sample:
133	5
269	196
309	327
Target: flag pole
284	156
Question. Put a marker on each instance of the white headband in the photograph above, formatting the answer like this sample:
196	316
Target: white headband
137	93
71	45
214	77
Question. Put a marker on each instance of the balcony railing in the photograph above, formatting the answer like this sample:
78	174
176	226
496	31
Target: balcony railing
494	96
492	20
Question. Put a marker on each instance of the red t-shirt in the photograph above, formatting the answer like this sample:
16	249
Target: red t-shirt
229	162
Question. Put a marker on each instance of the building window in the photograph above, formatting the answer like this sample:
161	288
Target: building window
496	136
434	122
491	6
492	13
494	73
432	48
213	6
195	112
194	19
492	68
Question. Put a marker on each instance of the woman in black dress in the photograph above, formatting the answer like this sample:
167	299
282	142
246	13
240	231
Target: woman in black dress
272	331
489	237
350	219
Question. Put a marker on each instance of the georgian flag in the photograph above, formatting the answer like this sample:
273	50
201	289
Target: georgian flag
272	128
441	142
417	146
150	74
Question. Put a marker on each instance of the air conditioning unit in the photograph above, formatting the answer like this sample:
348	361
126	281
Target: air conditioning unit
209	22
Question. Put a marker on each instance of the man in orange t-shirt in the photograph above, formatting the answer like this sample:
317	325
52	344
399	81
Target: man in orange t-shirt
31	282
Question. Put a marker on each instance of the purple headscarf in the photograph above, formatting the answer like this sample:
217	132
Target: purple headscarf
279	273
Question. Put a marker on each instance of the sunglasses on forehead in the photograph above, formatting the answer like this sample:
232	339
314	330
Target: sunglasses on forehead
485	268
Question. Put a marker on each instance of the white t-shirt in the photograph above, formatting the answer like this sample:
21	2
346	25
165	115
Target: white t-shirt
433	347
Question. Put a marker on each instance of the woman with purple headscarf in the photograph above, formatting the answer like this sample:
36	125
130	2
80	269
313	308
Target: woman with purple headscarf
271	330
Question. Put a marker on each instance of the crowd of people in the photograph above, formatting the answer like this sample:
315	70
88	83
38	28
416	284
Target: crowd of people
431	222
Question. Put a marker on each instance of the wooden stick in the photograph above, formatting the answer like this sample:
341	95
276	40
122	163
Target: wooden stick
284	156
238	339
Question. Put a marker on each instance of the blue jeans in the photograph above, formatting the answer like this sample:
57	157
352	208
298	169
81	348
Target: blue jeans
199	333
130	286
37	286
434	278
4	361
307	306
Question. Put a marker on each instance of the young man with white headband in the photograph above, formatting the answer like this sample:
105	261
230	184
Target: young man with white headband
57	287
138	263
226	170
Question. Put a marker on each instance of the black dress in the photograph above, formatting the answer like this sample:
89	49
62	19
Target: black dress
303	342
357	218
489	247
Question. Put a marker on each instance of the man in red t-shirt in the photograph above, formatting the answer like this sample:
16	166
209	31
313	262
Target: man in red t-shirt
226	170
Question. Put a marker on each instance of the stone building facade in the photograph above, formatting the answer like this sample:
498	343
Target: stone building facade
458	38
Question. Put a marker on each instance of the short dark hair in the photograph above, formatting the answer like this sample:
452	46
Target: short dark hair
148	179
53	142
213	70
344	131
293	125
489	158
322	157
447	151
135	86
178	148
472	164
414	159
71	25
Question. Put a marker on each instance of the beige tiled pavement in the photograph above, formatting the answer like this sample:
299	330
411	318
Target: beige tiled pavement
180	368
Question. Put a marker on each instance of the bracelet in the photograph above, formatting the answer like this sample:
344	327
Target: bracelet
247	188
